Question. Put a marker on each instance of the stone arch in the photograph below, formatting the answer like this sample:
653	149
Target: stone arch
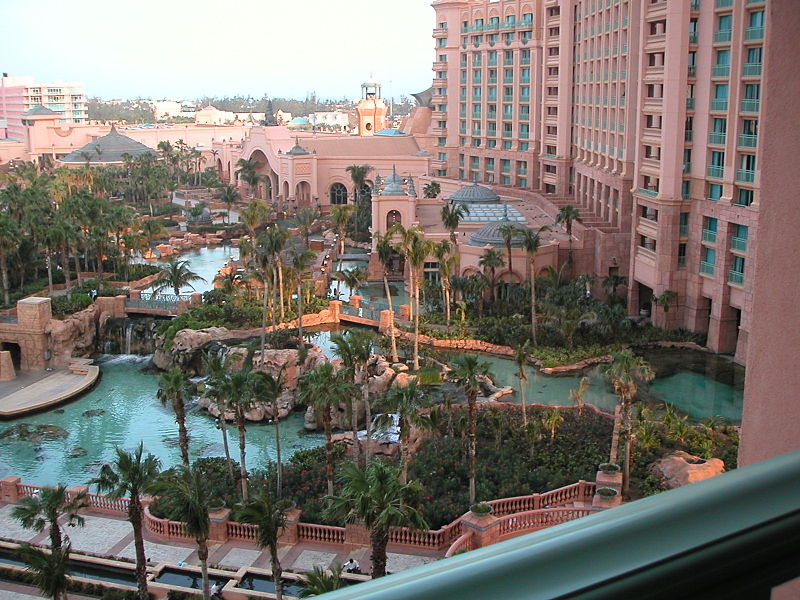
393	217
470	271
302	193
285	190
509	277
337	194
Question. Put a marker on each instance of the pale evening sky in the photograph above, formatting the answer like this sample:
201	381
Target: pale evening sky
188	49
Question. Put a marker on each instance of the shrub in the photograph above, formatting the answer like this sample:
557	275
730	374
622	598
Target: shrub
67	305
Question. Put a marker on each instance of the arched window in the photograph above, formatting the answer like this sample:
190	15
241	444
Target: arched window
392	217
338	194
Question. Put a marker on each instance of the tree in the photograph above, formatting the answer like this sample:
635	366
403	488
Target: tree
240	399
254	216
301	263
175	274
246	170
626	372
374	496
305	219
270	517
447	262
509	233
568	215
452	214
340	217
45	509
9	241
552	419
187	488
173	390
467	371
132	475
531	241
491	260
230	196
521	353
418	251
407	401
431	190
352	278
319	581
363	214
267	387
215	385
612	281
664	299
272	240
49	569
384	249
577	395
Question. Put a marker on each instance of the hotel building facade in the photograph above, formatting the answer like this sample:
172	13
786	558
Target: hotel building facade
641	113
20	94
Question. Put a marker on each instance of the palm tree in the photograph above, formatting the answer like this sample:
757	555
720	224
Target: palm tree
352	278
240	399
419	250
254	216
305	218
521	353
431	190
375	497
340	217
47	508
301	262
268	388
612	281
403	246
358	175
626	372
188	489
270	517
384	250
173	389
9	241
323	389
407	401
176	274
230	196
568	215
577	395
49	570
273	239
530	243
509	233
491	260
215	385
132	475
552	419
319	581
452	214
466	371
246	170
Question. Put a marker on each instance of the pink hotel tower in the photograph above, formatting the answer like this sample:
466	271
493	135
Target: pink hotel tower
642	113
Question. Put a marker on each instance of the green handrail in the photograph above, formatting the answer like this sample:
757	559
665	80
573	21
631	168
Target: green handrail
732	536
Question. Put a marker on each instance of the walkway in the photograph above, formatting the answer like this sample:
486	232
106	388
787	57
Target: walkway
34	390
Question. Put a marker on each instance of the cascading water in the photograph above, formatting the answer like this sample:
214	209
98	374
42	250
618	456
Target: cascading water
128	336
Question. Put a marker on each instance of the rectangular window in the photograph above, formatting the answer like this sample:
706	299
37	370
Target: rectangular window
681	255
744	197
714	192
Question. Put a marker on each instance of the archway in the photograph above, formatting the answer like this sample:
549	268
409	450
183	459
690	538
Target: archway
285	191
302	194
338	194
393	217
16	353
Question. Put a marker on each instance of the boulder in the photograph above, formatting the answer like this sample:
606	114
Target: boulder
680	468
74	336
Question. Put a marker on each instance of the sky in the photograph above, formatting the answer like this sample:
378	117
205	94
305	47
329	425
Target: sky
189	49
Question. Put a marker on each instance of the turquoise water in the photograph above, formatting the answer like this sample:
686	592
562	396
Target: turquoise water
205	262
132	414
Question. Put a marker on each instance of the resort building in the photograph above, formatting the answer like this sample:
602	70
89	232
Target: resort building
20	94
642	115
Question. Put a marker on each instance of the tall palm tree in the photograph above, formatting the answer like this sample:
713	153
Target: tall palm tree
254	216
43	511
230	196
568	215
305	219
531	242
9	241
301	263
509	233
374	496
133	475
407	401
466	371
273	240
418	251
240	400
340	217
452	214
216	390
403	247
626	372
612	281
246	170
384	250
173	390
447	262
352	278
270	517
188	489
491	260
176	274
267	388
49	570
521	353
358	175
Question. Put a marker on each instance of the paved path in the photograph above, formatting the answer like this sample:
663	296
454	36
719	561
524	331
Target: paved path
39	392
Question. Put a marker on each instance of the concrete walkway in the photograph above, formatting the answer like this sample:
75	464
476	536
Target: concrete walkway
30	391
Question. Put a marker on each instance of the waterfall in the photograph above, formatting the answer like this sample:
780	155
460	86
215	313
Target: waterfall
128	336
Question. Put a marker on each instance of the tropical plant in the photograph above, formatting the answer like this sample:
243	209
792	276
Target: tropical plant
612	281
246	170
240	400
9	241
352	278
531	242
45	509
521	353
418	251
509	233
664	299
490	261
406	401
374	496
254	216
567	215
267	387
552	419
305	219
131	475
340	217
577	395
49	569
270	517
447	263
173	390
319	581
176	274
385	251
451	215
431	190
215	389
467	371
230	196
363	214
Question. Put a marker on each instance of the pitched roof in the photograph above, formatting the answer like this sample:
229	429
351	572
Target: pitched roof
39	110
107	149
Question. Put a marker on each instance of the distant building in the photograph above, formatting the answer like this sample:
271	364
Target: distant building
20	94
333	119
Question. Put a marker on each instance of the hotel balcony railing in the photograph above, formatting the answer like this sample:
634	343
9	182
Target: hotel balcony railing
682	262
753	33
755	1
524	135
548	155
706	268
751	106
692	37
719	104
492	115
709	236
747	141
716	137
525	79
522	171
739	244
646	192
662	546
692	71
715	171
745	175
508	80
492	80
690	103
751	69
723	3
735	277
721	71
688	135
723	35
683	231
492	62
694	5
507	134
508	98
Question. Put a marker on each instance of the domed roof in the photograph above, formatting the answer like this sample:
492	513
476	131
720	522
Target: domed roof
475	193
108	149
297	150
299	121
393	185
490	234
390	132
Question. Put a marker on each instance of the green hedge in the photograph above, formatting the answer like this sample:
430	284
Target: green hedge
67	305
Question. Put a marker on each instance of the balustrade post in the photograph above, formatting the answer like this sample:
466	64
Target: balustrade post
9	492
404	312
385	321
73	492
485	529
135	294
336	309
218	531
355	301
355	534
290	533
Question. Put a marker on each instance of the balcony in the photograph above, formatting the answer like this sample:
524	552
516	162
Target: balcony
694	5
735	277
723	3
719	104
709	236
548	155
683	230
722	36
721	71
739	244
745	175
747	141
750	106
706	268
717	137
751	70
718	172
647	192
688	135
692	37
753	33
692	71
690	104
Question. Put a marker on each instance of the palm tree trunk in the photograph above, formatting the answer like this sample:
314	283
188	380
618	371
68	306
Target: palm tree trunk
277	421
264	319
411	289
379	539
354	425
392	337
4	270
404	452
280	285
300	311
223	427
532	279
202	556
522	385
65	266
277	571
55	535
326	423
368	407
416	328
78	267
471	400
240	424
49	260
183	436
626	466
135	517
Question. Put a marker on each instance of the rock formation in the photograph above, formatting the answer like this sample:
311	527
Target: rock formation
680	468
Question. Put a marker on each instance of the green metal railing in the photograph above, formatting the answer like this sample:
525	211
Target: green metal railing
753	33
734	536
739	244
646	192
715	171
751	69
748	141
719	104
736	278
745	175
706	268
750	105
690	103
723	3
723	35
720	71
716	137
709	236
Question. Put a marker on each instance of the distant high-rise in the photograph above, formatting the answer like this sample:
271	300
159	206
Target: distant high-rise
20	94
